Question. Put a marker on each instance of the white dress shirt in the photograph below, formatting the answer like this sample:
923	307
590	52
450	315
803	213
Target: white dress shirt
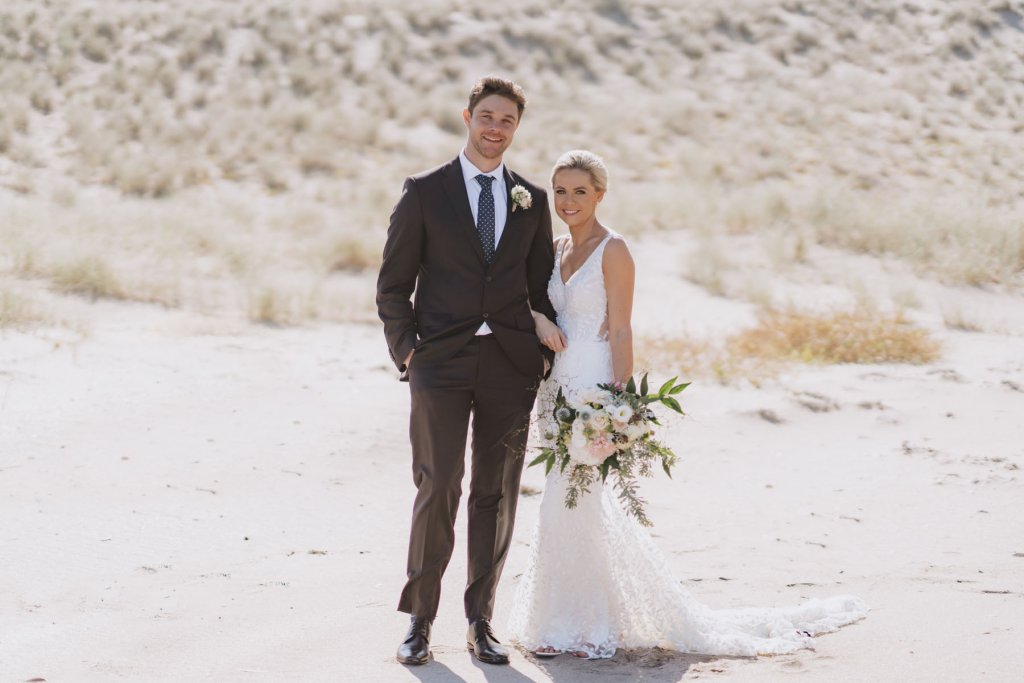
469	174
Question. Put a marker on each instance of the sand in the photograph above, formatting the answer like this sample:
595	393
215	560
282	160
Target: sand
193	498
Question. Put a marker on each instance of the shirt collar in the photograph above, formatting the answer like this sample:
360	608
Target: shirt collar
470	172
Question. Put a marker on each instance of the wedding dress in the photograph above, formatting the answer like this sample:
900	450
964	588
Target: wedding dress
596	581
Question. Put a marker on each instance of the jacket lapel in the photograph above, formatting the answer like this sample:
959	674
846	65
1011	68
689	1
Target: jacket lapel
512	218
455	187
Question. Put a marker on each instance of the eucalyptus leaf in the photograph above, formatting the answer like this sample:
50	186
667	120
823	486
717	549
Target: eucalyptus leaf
679	387
673	404
643	385
666	386
544	455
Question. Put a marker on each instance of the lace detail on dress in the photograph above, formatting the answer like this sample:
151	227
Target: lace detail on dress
581	302
596	580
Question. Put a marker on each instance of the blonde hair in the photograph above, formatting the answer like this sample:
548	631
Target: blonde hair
583	160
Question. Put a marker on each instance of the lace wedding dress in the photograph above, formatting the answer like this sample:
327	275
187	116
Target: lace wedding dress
596	581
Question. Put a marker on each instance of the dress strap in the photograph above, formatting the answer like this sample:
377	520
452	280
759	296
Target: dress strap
599	252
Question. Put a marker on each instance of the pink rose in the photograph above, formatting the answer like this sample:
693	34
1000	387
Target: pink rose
601	447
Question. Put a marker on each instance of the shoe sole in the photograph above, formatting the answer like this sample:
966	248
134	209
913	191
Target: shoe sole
415	662
503	660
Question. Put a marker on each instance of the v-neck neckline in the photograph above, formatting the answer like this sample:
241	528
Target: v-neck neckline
565	282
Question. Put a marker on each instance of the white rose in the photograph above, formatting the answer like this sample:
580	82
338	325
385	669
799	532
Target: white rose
635	431
621	413
582	454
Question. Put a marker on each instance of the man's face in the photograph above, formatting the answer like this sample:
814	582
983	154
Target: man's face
491	125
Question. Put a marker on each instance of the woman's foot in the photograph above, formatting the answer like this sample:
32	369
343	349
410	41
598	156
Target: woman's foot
583	654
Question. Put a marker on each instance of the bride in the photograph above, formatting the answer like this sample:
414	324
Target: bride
596	581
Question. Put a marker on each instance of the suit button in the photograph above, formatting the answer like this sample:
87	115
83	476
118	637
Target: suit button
489	278
486	315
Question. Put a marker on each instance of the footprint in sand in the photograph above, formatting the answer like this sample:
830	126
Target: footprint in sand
1013	386
948	375
816	403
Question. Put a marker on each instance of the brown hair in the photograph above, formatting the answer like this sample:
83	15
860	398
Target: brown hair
493	85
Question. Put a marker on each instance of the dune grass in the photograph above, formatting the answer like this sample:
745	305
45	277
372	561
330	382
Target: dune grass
862	335
755	354
353	253
19	312
88	276
816	122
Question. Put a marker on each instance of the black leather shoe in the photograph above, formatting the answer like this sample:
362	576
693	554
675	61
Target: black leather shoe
483	644
415	649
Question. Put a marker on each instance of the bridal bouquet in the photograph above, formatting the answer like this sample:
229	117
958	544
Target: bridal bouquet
609	429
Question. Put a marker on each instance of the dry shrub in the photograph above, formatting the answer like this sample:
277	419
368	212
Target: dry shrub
955	318
88	276
963	242
269	308
6	135
707	265
758	353
688	357
280	305
680	353
350	253
18	312
859	336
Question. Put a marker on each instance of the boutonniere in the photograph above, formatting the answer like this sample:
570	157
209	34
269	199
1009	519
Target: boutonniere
521	198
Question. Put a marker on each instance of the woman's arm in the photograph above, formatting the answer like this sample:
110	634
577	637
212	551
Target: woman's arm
550	334
619	275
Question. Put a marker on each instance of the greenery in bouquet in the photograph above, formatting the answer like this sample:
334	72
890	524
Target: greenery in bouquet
609	430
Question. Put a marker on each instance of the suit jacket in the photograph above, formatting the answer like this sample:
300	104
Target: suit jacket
433	248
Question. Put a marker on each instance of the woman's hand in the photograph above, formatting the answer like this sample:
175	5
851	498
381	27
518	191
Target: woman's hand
549	333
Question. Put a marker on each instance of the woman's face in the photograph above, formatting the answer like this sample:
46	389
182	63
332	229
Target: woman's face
576	199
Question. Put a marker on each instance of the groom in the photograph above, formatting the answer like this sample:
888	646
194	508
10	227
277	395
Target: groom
473	240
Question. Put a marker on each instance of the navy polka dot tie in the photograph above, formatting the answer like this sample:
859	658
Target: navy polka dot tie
485	216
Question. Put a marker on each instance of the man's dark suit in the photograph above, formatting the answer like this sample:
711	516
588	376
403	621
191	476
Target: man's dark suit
434	248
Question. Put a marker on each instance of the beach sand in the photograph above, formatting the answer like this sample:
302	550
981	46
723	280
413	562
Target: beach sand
194	498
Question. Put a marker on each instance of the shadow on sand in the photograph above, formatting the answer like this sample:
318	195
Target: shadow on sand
650	666
654	665
436	672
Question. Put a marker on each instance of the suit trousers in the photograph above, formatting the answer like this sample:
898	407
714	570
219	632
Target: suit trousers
480	383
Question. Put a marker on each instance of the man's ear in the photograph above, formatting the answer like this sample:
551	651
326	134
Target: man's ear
466	116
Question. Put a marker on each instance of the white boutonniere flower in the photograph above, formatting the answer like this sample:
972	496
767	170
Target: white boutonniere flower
521	198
